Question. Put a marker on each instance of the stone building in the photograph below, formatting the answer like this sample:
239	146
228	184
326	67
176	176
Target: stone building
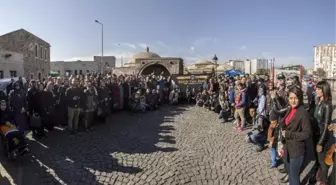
147	62
205	67
36	52
64	68
11	64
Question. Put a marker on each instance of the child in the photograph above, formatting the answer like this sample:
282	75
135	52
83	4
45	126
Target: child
240	104
199	99
16	144
188	94
193	95
224	103
173	97
272	137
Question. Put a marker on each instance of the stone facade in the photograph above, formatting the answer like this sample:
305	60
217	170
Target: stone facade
11	64
142	62
64	68
36	52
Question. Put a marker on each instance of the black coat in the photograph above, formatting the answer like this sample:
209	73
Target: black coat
298	133
322	119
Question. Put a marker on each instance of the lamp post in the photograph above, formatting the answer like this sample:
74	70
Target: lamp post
215	59
102	52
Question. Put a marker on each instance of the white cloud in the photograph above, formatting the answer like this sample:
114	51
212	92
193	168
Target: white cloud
192	49
126	44
306	61
143	45
205	40
162	44
243	48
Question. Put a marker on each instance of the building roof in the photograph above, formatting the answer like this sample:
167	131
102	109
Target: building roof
23	30
143	55
204	62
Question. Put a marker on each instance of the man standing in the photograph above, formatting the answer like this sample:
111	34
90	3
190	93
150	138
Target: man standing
73	97
60	107
89	104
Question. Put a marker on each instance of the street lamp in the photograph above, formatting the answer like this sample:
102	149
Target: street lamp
215	59
102	53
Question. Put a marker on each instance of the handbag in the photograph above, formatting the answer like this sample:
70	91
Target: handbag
35	121
330	155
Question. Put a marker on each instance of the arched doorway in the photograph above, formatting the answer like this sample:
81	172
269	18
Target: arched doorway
156	69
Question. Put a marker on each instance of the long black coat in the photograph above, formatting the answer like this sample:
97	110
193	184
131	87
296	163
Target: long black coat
298	134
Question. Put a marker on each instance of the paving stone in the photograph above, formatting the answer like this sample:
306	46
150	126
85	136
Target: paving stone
191	148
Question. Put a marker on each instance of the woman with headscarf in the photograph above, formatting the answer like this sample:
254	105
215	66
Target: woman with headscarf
18	104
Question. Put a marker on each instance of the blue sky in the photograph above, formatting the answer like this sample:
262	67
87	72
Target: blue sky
190	29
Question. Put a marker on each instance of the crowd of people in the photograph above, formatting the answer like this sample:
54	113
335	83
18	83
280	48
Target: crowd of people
276	117
273	114
75	101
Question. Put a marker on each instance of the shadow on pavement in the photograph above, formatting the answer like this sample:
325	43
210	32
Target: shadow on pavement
4	181
89	158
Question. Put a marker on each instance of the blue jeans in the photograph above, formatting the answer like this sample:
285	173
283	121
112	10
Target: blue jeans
273	156
294	169
257	139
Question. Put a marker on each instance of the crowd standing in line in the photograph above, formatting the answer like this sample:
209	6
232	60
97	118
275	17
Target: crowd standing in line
273	114
276	118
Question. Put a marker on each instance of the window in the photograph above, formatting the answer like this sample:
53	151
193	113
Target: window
87	71
36	50
75	72
39	76
68	72
59	71
45	54
41	54
12	73
1	74
80	72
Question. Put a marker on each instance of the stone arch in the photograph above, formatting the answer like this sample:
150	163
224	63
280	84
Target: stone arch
155	67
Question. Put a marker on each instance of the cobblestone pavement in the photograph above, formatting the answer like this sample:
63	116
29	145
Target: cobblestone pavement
175	145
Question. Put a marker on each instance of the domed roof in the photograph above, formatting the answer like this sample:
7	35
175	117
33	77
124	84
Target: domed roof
203	62
146	55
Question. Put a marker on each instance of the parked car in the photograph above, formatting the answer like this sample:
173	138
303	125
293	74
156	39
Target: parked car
6	81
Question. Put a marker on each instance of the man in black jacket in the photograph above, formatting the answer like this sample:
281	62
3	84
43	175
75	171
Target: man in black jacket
73	97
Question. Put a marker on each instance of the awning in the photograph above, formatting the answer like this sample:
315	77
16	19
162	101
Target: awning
233	72
53	73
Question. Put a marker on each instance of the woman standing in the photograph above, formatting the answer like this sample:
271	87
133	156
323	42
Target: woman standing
296	130
18	103
50	101
322	138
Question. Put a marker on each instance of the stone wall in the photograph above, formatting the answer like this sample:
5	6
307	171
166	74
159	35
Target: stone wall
36	52
173	65
11	64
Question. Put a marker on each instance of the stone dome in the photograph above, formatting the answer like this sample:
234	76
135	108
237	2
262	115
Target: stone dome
204	62
145	55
